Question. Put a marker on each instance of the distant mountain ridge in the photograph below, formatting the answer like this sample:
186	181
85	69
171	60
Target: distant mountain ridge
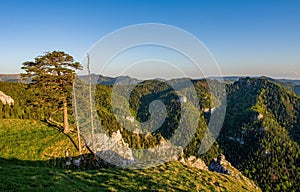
292	84
109	80
10	78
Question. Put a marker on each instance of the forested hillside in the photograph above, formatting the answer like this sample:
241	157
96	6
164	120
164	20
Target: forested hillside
26	104
145	93
260	135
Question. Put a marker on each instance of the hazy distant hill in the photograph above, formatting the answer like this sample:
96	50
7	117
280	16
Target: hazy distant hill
291	84
293	81
228	79
10	78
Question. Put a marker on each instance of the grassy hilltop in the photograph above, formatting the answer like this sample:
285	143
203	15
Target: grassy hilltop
31	156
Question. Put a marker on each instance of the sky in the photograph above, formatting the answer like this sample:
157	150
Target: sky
246	37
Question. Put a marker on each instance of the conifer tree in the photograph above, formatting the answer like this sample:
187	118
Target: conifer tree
52	76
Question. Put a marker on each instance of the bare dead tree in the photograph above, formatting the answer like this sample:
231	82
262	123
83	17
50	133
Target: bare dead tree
76	118
91	103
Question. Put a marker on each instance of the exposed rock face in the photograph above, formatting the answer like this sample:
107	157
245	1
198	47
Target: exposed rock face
166	151
113	149
5	99
206	110
183	99
219	165
209	110
260	116
130	118
192	161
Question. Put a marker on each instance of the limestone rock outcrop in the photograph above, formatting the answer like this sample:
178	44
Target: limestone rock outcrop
5	99
113	149
192	161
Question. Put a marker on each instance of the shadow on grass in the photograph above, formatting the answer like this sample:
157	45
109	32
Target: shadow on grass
56	126
23	175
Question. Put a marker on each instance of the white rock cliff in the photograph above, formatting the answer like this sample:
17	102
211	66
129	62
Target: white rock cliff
5	99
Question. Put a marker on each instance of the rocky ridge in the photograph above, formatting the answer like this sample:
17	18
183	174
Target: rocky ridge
114	150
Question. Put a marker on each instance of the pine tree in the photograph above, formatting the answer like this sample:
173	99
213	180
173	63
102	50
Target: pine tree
52	76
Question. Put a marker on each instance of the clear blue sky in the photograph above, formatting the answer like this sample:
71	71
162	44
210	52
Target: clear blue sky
247	37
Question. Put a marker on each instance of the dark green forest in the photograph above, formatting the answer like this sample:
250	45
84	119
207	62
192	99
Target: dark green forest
260	135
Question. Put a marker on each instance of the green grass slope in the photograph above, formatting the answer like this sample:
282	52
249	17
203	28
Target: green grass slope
31	140
29	150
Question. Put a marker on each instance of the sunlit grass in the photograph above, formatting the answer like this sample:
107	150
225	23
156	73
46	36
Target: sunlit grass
26	146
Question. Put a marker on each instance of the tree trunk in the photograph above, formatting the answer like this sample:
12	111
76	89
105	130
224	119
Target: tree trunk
66	122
